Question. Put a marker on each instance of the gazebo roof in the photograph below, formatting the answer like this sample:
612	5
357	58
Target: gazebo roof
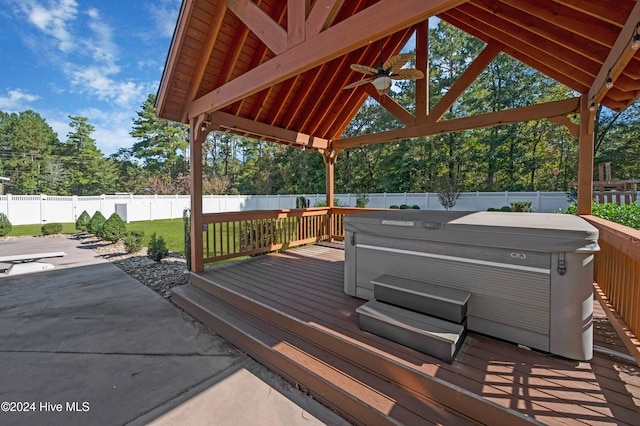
275	69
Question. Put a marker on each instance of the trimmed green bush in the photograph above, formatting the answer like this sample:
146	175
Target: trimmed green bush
627	214
394	207
521	206
113	229
157	248
133	240
506	209
5	225
83	221
96	222
415	207
51	228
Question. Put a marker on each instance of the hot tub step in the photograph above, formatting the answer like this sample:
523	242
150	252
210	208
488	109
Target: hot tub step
433	336
442	302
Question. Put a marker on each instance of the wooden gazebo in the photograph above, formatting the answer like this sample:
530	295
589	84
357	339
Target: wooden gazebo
275	70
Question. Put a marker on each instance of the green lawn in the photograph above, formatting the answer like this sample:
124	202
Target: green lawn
171	231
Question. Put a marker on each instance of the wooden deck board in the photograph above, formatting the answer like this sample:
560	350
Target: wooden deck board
306	283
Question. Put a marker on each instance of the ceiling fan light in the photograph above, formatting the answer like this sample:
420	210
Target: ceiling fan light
382	83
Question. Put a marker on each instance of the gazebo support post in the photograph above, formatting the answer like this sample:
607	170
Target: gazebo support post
197	135
585	156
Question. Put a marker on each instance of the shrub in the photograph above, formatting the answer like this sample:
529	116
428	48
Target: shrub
394	207
5	225
113	229
627	215
404	207
521	206
302	203
415	207
96	222
51	228
506	209
133	240
83	221
362	200
157	248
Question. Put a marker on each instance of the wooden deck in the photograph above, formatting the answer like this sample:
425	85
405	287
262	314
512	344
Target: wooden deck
288	310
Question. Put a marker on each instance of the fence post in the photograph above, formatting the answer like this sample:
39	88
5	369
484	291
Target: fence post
539	202
102	198
43	208
74	207
9	215
506	198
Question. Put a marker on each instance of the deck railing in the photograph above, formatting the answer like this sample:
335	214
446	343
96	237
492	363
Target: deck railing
238	234
617	273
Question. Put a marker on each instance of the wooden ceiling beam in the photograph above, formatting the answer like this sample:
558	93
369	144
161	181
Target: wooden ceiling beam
261	24
265	131
376	21
463	82
296	21
544	34
321	16
422	64
261	54
397	110
516	115
611	11
331	81
173	56
523	52
203	56
573	20
531	44
619	57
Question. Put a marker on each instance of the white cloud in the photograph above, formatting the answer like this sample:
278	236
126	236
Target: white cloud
164	13
53	19
16	100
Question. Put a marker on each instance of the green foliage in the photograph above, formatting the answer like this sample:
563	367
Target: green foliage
172	231
394	207
415	207
33	230
302	202
161	143
501	209
83	221
521	206
5	225
133	240
96	223
627	214
157	248
323	203
362	200
113	229
51	228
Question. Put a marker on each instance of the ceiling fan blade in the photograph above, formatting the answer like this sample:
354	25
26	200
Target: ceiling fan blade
358	83
394	63
364	69
407	74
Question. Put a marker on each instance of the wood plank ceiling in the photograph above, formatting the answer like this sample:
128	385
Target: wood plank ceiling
569	40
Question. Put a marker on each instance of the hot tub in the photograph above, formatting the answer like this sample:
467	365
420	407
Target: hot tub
530	275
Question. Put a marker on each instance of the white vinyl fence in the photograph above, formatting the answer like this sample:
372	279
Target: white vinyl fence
39	209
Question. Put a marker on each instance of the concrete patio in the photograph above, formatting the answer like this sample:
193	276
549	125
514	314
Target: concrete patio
85	343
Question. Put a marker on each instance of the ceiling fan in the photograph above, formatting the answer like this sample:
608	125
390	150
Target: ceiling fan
383	73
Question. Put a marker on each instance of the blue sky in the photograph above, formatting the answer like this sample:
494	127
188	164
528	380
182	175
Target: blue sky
97	59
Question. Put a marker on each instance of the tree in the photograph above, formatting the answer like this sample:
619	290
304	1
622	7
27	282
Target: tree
162	144
26	144
88	171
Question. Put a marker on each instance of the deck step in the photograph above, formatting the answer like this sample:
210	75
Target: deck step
433	336
437	301
369	360
355	393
